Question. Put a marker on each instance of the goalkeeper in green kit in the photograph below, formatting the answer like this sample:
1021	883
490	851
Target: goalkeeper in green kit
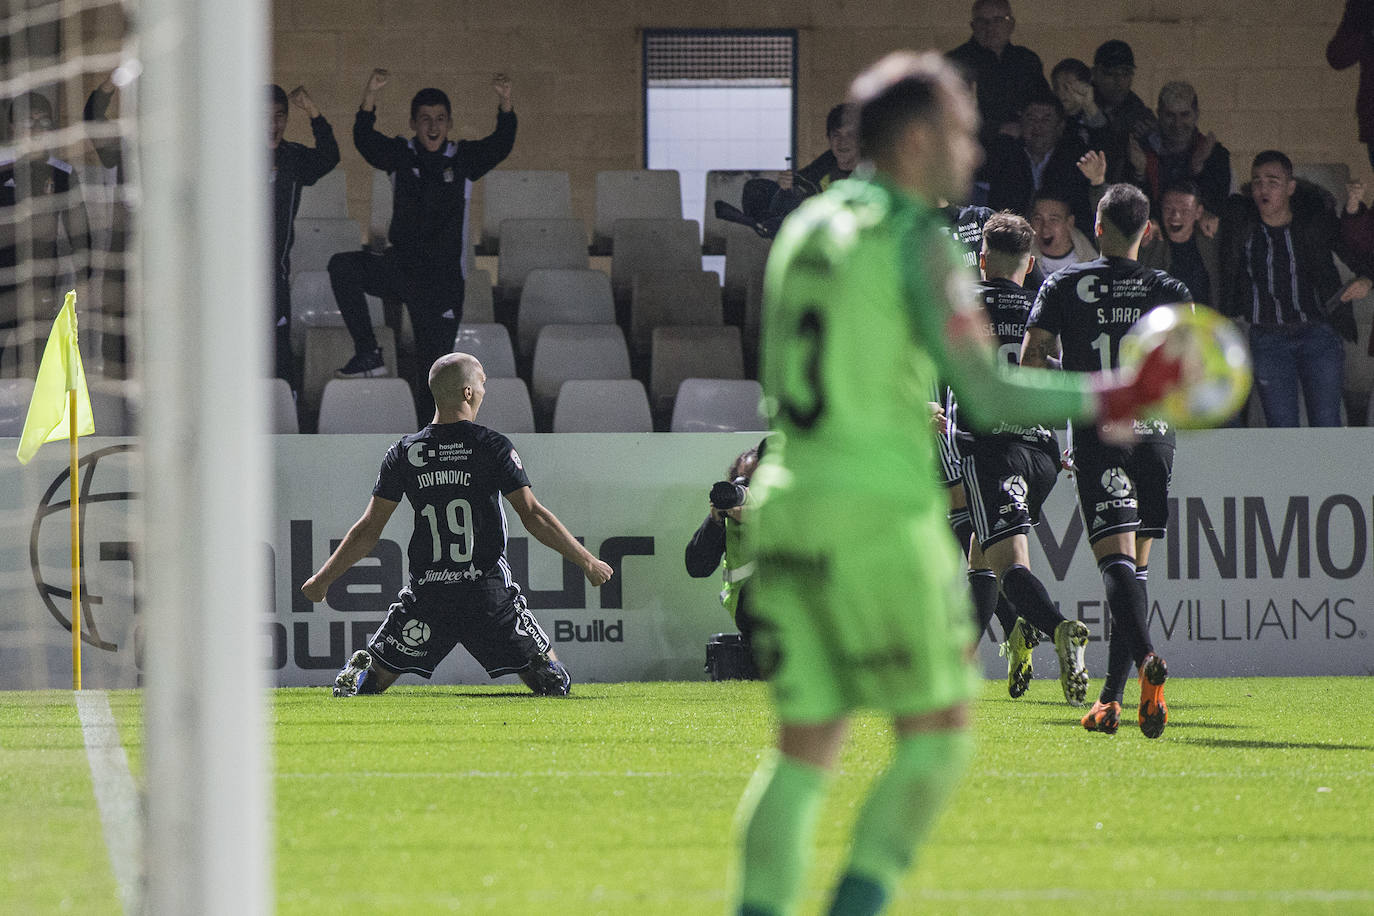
860	596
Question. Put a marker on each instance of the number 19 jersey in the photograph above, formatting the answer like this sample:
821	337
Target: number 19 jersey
454	475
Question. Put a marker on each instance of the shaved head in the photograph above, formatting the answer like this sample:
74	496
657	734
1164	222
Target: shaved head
450	374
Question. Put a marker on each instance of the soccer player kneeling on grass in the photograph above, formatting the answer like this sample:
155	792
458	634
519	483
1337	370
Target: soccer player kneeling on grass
454	473
859	601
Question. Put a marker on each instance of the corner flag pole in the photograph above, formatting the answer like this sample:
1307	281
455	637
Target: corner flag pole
76	545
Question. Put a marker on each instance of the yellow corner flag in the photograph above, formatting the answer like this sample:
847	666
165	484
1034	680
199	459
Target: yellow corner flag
49	416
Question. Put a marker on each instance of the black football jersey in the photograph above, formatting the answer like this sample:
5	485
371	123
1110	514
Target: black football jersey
1090	307
454	475
1008	307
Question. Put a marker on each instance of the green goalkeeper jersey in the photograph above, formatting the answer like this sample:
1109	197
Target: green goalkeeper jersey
860	292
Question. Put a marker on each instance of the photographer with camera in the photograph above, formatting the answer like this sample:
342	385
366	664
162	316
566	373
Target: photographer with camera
720	538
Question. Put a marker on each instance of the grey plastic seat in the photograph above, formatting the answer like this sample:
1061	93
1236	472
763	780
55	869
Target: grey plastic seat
575	351
15	394
602	406
527	244
490	343
521	194
633	194
281	407
318	240
679	353
712	405
506	406
326	198
367	405
644	245
555	296
686	297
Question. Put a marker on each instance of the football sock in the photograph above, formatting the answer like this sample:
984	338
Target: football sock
962	526
777	818
1032	601
1118	668
1126	598
1006	615
900	809
982	585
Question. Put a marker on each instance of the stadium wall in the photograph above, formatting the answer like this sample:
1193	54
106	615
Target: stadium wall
1268	568
1259	66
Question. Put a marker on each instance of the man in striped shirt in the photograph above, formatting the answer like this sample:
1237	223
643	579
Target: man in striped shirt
1277	240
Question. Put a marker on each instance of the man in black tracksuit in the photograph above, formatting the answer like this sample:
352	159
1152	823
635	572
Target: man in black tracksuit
424	265
294	166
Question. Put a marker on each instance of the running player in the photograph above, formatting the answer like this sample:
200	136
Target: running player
1008	473
1123	489
454	473
858	593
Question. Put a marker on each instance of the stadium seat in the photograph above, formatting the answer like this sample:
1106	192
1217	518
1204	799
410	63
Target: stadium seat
671	298
519	194
281	406
679	353
367	405
636	194
652	245
555	296
311	294
710	405
15	394
477	300
527	244
726	185
318	240
575	351
326	198
602	406
506	406
328	345
745	257
490	343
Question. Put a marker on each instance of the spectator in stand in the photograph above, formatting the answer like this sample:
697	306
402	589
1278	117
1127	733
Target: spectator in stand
1042	159
766	202
1072	81
424	265
33	281
1130	122
1353	44
1181	249
1004	75
114	348
294	166
1357	230
1277	274
1057	242
1181	152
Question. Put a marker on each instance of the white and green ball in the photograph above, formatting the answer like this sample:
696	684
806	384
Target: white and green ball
1216	363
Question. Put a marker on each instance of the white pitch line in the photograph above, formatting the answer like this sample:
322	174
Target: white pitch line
115	795
482	774
1212	895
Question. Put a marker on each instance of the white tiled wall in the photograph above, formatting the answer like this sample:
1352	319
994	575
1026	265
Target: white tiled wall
698	129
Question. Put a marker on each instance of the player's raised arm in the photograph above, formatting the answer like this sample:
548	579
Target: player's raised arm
358	543
549	531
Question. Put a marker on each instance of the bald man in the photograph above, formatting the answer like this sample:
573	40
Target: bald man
454	472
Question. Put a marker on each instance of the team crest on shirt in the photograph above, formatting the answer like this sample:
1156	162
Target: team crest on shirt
515	457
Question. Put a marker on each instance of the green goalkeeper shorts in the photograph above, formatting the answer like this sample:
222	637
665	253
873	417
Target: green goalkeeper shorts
859	607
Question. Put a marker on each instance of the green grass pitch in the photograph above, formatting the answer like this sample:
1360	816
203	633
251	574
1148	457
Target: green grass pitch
1258	799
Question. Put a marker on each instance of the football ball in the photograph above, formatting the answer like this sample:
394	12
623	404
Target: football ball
1216	363
415	632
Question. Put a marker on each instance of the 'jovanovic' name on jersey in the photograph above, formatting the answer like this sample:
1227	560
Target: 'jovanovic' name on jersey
460	524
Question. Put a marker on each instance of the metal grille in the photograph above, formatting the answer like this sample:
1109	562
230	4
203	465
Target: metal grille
747	58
